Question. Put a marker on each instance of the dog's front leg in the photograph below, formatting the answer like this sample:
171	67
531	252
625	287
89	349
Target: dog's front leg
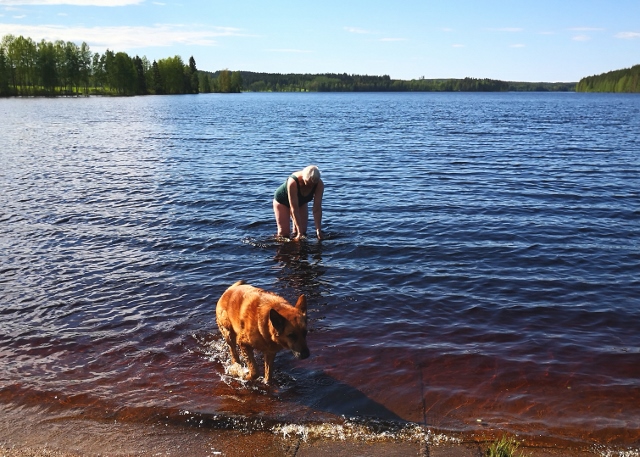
247	353
226	329
269	357
230	336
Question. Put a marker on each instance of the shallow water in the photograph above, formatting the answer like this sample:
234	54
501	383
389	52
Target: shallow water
480	274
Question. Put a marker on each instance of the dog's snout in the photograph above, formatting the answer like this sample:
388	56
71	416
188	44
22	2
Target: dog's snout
304	354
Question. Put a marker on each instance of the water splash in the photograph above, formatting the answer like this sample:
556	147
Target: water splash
361	430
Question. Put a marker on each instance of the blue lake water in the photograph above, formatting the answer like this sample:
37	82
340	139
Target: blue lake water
481	274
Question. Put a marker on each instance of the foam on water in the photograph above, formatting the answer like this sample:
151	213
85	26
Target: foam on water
605	452
371	431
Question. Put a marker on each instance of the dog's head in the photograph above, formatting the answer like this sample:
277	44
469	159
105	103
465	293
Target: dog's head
290	325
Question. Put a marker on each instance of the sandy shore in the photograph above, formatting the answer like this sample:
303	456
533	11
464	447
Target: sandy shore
30	432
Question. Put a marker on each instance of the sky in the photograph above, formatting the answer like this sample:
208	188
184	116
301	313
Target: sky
510	40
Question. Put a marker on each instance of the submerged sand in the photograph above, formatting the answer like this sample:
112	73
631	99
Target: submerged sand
32	432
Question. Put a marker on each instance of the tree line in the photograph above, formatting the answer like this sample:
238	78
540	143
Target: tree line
55	68
330	82
626	80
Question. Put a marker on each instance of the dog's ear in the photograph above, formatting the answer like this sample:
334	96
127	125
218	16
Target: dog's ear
278	322
301	305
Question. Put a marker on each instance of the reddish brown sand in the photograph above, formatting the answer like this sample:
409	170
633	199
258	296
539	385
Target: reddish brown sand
29	432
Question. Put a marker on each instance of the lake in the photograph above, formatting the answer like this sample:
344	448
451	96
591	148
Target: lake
481	272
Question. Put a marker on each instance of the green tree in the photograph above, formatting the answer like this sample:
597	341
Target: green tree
63	67
186	81
146	67
84	67
224	82
71	66
98	70
63	78
9	64
626	80
110	69
141	81
204	82
193	76
47	67
27	57
236	82
172	75
4	75
124	74
20	53
158	83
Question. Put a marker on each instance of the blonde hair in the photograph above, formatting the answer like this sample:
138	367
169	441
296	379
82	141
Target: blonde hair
311	173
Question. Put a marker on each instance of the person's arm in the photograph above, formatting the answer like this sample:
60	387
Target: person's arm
292	190
317	209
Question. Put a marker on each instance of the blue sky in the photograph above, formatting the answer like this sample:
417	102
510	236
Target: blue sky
534	40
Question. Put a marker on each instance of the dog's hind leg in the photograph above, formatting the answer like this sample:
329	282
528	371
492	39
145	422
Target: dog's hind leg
247	353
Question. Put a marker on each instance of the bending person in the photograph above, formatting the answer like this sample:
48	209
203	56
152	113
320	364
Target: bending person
290	202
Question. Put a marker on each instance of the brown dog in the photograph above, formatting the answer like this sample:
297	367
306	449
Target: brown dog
256	319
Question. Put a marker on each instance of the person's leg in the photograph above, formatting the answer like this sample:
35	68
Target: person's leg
282	214
304	218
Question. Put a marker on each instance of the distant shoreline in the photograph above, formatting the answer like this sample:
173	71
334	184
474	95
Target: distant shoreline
59	69
108	94
333	82
48	69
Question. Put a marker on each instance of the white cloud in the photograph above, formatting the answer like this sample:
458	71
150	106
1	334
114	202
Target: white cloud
356	30
628	35
71	2
584	36
586	29
446	29
517	45
123	38
457	46
393	39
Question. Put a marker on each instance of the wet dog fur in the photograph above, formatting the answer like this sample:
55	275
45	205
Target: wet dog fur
255	319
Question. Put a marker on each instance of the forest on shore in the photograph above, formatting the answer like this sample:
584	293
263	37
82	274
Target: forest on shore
269	82
63	68
29	68
626	80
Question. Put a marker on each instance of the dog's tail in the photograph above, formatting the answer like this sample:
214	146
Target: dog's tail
239	283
